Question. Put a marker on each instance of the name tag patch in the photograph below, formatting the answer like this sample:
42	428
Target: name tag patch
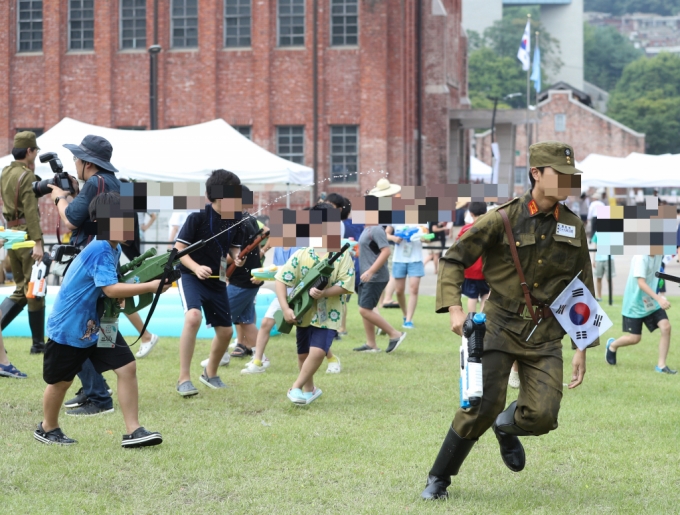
566	230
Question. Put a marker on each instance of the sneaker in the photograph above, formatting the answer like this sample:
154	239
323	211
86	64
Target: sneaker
88	409
334	367
11	371
56	436
665	370
296	396
252	368
609	355
408	325
513	380
342	333
395	342
140	437
226	359
186	389
38	348
145	348
211	382
78	400
312	396
365	348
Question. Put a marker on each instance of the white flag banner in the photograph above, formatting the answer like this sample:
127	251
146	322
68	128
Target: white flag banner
525	48
579	314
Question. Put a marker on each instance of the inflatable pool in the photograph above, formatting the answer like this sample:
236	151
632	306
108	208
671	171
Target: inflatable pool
167	320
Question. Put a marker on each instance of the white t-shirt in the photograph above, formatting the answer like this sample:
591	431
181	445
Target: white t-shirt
406	251
177	219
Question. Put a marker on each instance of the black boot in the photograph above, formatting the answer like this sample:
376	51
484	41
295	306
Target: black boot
10	310
451	456
507	432
36	320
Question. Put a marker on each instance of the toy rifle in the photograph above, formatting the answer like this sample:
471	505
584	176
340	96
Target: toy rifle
471	351
667	277
299	299
252	243
15	239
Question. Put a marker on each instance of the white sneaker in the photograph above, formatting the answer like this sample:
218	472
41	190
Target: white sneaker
252	368
145	348
265	361
334	367
223	362
233	345
513	381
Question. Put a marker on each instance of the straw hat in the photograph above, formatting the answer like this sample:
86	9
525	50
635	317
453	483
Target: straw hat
383	188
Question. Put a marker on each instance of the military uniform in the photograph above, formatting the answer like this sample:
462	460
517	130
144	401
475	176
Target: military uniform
549	262
20	210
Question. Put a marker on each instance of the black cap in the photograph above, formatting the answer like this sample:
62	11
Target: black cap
95	150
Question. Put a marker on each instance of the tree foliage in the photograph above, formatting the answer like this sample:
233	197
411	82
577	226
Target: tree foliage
647	99
606	53
619	7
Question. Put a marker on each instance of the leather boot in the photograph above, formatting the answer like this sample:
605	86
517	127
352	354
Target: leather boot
36	320
507	432
451	456
10	310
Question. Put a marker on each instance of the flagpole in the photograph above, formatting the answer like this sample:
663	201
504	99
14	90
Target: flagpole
538	113
526	175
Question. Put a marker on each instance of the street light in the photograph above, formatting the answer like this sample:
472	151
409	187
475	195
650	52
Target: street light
154	50
493	116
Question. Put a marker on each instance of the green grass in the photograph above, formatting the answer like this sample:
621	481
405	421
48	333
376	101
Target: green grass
364	447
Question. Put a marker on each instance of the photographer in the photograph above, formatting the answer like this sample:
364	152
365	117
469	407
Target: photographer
20	209
93	165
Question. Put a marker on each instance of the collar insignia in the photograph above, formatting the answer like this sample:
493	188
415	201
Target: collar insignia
533	207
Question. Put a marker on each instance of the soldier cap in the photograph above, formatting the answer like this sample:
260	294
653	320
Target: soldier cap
554	154
25	139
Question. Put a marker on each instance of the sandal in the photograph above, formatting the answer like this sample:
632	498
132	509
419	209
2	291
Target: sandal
241	351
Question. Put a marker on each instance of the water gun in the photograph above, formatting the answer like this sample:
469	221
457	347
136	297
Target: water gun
352	245
252	243
265	273
36	286
414	234
299	299
15	239
471	350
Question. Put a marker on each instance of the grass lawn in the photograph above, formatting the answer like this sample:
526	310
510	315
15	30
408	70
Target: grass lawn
364	447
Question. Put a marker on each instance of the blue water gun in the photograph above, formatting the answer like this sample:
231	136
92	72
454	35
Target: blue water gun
406	233
15	239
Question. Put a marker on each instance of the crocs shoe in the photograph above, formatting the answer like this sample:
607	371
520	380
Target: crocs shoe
366	348
513	380
226	359
187	389
211	382
312	396
56	436
11	371
665	370
334	367
145	348
395	342
140	437
609	355
296	396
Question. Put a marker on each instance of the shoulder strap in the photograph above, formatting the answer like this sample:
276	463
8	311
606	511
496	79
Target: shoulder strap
515	258
16	197
101	184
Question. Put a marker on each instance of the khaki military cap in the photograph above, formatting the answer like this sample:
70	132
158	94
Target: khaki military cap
554	154
25	139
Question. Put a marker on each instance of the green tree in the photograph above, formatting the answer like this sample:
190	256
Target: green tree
647	99
490	75
606	53
619	7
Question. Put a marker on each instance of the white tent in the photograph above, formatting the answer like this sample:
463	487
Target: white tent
185	154
634	171
479	170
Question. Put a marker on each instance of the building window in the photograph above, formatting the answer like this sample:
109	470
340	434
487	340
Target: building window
291	22
81	21
38	132
290	143
30	28
245	130
184	23
520	175
344	22
344	153
237	23
132	24
560	122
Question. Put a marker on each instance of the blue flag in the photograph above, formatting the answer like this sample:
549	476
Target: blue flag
536	69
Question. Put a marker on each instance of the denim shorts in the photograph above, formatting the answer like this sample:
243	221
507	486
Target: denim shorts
242	304
401	270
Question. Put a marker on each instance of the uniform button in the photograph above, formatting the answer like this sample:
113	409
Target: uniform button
535	285
517	243
543	236
540	261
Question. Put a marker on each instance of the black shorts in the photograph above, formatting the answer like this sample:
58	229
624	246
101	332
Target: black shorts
474	288
312	336
369	294
212	297
634	325
63	362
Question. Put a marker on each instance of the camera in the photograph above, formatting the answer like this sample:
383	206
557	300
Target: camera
60	179
59	252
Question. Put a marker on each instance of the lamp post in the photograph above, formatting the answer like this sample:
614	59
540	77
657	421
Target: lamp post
154	50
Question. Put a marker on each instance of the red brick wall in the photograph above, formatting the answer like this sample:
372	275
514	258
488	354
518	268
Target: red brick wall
372	85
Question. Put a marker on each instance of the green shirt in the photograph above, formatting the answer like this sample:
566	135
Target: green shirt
549	262
27	205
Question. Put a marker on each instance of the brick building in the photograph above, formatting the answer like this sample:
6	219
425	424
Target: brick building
565	114
252	64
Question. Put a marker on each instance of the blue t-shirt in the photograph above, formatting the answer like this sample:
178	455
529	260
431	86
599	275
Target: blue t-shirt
78	211
281	256
74	320
636	303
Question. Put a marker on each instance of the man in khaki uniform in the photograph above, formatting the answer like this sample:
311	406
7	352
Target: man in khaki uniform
552	248
20	210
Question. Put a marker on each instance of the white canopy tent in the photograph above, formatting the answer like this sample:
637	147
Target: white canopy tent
185	154
634	171
479	170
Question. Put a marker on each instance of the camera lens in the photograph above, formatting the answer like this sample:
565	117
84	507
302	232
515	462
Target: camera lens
40	188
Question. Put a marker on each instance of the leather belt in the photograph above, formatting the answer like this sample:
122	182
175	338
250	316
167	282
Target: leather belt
14	223
541	311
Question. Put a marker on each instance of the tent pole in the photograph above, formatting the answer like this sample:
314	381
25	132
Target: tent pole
288	195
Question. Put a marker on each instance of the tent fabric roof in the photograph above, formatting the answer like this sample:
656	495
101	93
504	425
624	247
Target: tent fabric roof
634	171
184	154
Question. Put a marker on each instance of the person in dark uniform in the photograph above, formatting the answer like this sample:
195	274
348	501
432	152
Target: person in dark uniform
20	209
552	248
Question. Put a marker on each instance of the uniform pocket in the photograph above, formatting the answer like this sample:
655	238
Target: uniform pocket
564	248
522	240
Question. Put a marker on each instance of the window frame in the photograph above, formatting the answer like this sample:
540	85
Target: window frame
70	28
290	156
344	154
120	28
330	30
563	120
31	31
241	128
278	25
172	25
238	17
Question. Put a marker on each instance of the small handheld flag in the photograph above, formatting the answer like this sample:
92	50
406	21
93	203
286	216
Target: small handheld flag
523	54
579	314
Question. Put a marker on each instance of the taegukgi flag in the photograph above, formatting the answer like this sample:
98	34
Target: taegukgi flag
525	48
579	314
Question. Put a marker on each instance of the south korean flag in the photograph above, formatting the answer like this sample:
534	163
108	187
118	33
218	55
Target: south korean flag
579	314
